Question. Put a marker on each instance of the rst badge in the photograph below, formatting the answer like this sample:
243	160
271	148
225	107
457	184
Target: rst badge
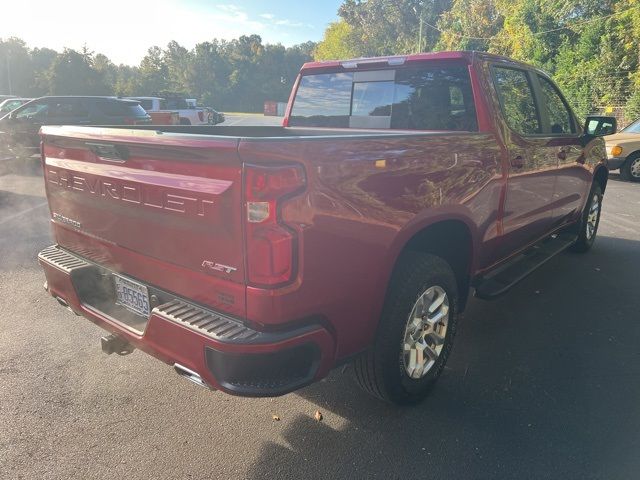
66	220
218	267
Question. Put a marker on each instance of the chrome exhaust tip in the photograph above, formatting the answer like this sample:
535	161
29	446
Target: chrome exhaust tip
189	375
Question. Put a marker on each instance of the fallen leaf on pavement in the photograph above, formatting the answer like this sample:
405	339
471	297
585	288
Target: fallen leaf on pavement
318	416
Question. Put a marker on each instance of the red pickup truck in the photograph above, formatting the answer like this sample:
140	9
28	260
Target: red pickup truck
256	259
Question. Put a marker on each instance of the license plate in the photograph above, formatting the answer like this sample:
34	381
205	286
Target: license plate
132	295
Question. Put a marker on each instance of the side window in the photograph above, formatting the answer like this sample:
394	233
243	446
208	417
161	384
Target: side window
32	110
147	104
560	120
517	101
68	109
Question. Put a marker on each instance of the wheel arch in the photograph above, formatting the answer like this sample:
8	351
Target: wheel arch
452	239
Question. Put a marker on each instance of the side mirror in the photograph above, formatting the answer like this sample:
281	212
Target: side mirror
598	126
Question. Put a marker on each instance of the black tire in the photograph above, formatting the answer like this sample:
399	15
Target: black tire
381	370
631	165
585	240
185	121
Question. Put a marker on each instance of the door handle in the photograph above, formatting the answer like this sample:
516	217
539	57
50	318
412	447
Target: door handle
517	162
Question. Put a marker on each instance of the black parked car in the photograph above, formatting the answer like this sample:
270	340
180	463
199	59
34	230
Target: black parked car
21	126
10	104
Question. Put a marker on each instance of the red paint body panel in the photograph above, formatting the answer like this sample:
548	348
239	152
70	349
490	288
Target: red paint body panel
167	203
355	217
154	219
174	343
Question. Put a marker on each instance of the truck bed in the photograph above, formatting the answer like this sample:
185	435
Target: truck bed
260	132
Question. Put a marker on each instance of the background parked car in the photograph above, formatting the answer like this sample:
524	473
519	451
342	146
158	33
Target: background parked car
156	107
23	124
189	114
623	151
10	104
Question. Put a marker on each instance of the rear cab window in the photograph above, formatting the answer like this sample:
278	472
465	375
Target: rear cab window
121	108
425	97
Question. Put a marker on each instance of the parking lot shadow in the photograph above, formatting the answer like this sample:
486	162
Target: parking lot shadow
542	383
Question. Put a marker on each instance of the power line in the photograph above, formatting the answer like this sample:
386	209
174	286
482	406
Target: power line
568	26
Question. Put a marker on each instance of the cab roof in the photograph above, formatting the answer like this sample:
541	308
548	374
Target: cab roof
398	60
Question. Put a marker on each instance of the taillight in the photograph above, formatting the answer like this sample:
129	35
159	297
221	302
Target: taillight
271	244
201	115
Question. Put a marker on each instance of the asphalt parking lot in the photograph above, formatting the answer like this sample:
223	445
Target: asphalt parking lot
542	383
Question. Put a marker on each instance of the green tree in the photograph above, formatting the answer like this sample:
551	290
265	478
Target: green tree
338	43
72	73
41	60
154	72
387	27
16	68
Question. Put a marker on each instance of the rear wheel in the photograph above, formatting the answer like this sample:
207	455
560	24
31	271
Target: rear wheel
590	221
416	331
630	169
185	121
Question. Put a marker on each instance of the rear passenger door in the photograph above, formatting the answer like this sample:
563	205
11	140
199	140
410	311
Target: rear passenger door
531	172
563	146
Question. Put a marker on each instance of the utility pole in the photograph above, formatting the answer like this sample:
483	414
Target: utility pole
415	10
9	72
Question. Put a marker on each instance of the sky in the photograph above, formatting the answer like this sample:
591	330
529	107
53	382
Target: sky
124	29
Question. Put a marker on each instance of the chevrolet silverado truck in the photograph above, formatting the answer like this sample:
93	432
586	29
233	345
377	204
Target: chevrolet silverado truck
255	259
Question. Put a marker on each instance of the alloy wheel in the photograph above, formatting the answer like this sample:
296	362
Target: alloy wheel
592	217
634	168
425	332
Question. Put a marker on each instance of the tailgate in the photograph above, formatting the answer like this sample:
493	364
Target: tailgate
145	202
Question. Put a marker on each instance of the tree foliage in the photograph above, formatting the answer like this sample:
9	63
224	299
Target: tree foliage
339	42
590	47
231	75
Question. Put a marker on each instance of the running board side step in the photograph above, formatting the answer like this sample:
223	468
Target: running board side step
501	280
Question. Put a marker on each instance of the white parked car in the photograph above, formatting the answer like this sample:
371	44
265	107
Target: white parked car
189	114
